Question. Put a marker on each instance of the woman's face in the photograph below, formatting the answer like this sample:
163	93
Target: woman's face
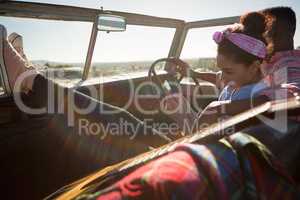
239	73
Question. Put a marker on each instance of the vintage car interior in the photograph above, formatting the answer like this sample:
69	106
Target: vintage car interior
42	153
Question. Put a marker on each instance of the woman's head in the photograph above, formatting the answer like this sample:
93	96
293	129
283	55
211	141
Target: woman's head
241	49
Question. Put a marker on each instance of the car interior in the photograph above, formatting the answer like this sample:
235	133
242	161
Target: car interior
42	153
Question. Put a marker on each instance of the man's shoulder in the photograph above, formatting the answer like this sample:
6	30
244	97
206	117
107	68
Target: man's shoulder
286	59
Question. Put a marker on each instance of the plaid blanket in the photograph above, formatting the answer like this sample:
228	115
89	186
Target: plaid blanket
238	167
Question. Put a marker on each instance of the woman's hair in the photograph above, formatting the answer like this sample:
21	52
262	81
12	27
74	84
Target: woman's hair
254	25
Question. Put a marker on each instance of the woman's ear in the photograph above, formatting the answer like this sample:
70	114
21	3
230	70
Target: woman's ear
255	68
258	68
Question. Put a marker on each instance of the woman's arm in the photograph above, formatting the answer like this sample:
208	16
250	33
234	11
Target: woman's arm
206	76
214	112
185	70
212	77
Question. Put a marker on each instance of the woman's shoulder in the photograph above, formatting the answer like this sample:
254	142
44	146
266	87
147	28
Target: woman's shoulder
249	91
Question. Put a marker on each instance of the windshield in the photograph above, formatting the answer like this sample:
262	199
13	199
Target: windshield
53	46
130	52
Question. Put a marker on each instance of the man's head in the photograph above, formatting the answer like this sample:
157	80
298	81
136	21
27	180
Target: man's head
282	27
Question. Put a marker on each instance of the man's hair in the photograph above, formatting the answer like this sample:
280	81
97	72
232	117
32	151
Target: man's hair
281	27
285	16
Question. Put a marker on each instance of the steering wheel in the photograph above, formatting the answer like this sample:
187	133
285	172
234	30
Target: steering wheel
176	68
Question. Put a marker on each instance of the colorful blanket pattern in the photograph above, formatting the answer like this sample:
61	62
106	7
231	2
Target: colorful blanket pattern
238	167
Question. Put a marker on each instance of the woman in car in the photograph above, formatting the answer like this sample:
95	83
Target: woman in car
281	73
237	167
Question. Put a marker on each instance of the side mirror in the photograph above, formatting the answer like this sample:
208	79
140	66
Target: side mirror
112	23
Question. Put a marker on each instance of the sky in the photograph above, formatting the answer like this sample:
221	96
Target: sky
68	41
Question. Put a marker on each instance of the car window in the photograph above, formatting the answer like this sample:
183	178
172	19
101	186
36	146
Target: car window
200	50
131	51
56	46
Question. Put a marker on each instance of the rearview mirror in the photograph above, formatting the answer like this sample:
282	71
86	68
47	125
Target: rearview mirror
109	23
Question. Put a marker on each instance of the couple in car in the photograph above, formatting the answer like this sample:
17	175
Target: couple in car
259	64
